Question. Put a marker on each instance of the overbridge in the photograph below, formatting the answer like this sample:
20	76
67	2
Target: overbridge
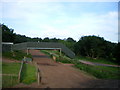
44	45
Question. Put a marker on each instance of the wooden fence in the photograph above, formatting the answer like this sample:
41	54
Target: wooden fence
38	73
19	74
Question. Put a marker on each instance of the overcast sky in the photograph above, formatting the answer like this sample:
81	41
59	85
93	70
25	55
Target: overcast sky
62	19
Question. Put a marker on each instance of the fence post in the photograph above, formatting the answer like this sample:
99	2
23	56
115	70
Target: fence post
38	74
19	75
38	77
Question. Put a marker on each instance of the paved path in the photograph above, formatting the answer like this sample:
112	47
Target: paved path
57	75
98	64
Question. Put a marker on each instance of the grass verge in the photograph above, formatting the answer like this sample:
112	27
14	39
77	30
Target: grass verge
28	74
9	81
100	72
10	68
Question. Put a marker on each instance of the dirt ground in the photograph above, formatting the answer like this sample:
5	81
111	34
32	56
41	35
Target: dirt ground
10	60
58	75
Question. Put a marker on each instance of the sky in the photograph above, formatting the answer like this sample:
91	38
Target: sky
61	19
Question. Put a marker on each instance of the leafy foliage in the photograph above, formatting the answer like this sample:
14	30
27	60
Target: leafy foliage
95	47
7	34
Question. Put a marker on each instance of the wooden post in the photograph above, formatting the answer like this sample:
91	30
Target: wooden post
19	75
38	78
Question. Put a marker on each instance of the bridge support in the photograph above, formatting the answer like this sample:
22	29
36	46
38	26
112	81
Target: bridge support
27	51
60	52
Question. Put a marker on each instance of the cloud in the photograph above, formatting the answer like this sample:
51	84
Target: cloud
102	25
59	20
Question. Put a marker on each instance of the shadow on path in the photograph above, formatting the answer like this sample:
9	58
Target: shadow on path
40	56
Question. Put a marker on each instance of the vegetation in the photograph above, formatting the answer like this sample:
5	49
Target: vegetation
18	55
103	61
10	68
9	81
28	74
101	72
56	53
96	47
11	71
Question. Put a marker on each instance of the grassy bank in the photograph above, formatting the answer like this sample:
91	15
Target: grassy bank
17	55
28	74
101	72
10	68
11	71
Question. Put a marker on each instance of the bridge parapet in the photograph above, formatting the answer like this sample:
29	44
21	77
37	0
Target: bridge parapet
44	45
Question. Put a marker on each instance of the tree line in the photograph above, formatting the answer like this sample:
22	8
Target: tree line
88	46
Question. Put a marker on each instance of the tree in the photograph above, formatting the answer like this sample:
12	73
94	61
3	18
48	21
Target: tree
36	39
54	40
93	46
69	42
7	34
70	39
117	52
20	38
46	39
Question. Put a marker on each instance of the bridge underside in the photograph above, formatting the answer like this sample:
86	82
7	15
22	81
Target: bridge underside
43	49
